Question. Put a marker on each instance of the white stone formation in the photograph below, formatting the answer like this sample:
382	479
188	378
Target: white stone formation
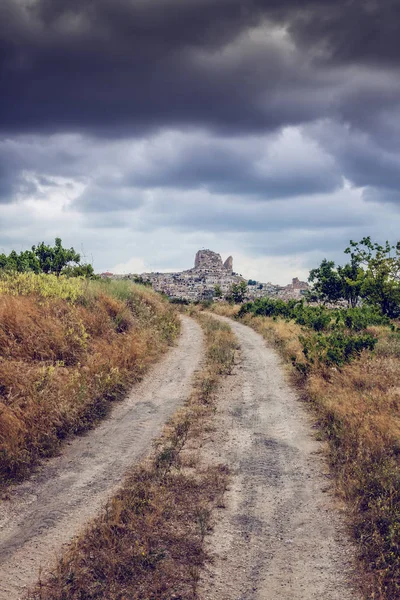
208	272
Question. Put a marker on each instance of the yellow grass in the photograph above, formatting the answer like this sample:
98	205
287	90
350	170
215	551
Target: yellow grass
47	286
67	349
224	309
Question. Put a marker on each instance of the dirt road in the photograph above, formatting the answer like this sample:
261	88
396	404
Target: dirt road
279	537
47	511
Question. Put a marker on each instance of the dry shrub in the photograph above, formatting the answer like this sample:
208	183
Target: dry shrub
50	330
63	362
225	309
148	541
283	334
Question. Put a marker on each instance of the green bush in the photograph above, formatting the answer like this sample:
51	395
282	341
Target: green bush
335	349
331	336
360	318
318	318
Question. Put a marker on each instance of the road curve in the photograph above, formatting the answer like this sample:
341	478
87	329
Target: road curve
280	535
49	509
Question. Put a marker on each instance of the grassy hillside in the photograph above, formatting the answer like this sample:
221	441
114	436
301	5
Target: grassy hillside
357	402
68	348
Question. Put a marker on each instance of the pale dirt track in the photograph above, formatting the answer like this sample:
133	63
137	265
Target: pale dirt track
280	535
48	510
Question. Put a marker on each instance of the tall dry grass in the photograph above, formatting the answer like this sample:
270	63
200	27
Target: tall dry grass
148	541
64	359
224	309
357	407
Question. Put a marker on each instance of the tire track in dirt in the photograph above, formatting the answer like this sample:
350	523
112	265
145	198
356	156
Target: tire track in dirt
50	508
280	534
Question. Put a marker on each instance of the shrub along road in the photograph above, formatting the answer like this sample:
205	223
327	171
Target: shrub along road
280	534
45	512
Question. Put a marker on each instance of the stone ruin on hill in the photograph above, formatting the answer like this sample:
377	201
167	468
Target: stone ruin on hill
199	282
209	271
208	261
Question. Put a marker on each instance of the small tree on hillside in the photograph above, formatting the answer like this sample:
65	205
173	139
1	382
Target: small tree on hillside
327	283
217	291
331	284
22	262
85	270
53	259
372	275
380	284
237	293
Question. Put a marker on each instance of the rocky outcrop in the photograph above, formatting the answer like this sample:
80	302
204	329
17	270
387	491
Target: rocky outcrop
228	264
208	260
209	271
298	285
197	283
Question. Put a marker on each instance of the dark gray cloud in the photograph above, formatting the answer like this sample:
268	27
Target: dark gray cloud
122	68
116	67
349	31
362	160
236	166
201	212
262	167
99	199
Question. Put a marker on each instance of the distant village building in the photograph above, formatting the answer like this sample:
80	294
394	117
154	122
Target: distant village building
197	283
208	272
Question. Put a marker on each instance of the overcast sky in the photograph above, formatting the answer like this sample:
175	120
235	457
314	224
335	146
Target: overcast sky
142	130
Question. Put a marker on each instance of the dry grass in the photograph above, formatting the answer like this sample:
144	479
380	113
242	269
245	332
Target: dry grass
358	409
64	359
148	542
224	309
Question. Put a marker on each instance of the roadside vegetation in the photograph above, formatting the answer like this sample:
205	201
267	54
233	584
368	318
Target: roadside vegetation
68	348
148	541
44	258
372	276
329	337
346	355
358	408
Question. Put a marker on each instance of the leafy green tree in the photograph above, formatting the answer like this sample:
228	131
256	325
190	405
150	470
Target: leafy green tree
327	283
85	270
380	285
22	262
217	291
3	261
139	279
47	259
237	293
53	259
372	275
352	276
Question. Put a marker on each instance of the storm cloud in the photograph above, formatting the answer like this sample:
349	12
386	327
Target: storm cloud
132	65
194	118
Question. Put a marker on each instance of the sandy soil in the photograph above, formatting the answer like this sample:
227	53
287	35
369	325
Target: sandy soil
280	535
45	512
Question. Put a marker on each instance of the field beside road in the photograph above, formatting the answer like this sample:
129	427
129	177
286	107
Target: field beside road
68	349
